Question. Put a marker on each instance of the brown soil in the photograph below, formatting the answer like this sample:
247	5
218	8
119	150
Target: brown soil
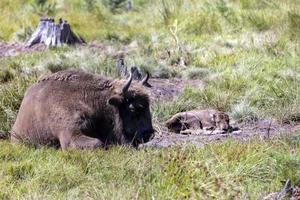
263	129
13	49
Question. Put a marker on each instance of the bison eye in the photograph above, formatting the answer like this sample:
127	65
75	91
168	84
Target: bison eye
140	106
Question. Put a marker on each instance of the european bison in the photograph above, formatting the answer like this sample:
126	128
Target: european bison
198	119
76	109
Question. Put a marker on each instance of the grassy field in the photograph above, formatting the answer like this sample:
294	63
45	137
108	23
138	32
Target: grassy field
246	52
230	170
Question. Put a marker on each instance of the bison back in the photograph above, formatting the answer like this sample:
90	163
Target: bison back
59	104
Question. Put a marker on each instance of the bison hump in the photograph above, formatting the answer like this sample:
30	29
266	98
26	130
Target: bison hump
78	76
66	75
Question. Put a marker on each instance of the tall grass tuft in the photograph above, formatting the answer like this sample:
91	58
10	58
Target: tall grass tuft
43	7
170	11
294	24
11	96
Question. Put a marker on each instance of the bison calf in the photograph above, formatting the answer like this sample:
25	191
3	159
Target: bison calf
198	119
75	109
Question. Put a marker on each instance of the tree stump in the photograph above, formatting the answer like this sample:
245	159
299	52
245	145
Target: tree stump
52	34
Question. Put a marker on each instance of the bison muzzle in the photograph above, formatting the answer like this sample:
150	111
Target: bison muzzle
76	109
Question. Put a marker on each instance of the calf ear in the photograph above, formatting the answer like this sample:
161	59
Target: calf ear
115	100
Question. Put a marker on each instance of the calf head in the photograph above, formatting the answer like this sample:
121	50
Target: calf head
221	120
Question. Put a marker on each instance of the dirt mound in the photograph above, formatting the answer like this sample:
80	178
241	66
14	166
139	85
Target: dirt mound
13	49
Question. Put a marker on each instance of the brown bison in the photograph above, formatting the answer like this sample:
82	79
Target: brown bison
199	119
76	109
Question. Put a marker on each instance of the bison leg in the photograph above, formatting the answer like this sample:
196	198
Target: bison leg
81	142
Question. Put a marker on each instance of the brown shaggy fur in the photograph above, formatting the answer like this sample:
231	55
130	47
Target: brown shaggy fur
75	109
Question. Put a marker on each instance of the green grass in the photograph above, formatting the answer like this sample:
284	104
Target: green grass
219	171
246	53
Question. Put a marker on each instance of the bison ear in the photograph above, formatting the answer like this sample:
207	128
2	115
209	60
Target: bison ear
115	100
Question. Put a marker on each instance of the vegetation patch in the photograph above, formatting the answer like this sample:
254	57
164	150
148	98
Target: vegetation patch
246	54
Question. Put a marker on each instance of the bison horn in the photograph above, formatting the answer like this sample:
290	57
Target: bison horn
127	84
145	80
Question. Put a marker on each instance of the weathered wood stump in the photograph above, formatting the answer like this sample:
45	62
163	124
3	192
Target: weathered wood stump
52	34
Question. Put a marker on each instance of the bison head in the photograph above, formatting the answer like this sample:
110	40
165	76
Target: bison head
134	113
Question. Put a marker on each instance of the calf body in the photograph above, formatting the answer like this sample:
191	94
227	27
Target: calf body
198	119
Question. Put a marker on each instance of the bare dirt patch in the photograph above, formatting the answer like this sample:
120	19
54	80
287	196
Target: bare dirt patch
263	129
13	49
